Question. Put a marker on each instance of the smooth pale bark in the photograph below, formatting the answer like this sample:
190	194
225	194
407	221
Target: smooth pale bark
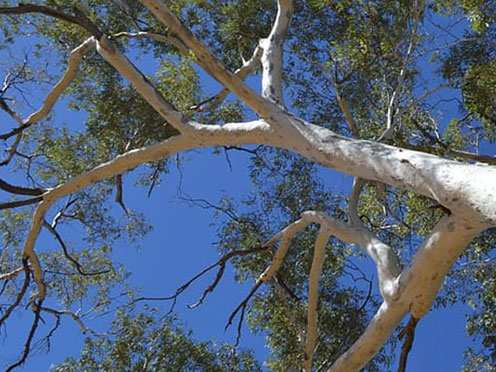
272	58
419	285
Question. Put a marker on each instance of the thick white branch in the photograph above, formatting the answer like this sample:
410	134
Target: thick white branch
382	254
272	58
466	189
419	285
147	90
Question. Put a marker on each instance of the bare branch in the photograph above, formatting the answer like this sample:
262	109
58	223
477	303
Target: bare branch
20	190
418	286
385	259
76	264
11	274
147	90
12	150
20	203
20	294
75	316
220	263
27	344
52	97
286	235
272	58
78	18
242	307
408	333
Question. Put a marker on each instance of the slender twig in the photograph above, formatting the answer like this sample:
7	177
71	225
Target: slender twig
76	264
76	317
242	307
220	263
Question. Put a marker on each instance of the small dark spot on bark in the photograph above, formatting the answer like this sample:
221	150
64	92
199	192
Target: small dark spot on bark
451	227
455	199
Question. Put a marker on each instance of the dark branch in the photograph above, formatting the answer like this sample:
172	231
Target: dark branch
242	307
221	263
20	294
409	334
14	132
27	345
20	203
20	190
76	264
79	18
119	192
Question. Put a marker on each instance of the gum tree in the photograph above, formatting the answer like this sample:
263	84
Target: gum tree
353	86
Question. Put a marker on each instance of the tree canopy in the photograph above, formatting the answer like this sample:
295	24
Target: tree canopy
400	95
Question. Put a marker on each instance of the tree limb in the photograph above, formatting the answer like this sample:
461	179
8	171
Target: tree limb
77	18
419	284
272	58
247	68
20	203
76	317
19	190
71	259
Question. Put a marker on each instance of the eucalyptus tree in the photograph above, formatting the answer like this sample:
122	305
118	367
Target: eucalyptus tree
398	94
